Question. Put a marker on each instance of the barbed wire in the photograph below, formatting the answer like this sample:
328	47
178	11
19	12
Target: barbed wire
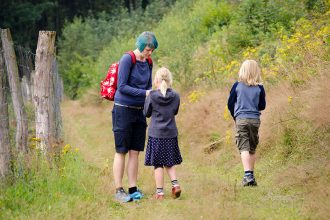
25	61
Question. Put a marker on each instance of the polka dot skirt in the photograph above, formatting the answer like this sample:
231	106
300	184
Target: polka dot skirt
162	152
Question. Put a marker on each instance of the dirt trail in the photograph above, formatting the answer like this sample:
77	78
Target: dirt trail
210	182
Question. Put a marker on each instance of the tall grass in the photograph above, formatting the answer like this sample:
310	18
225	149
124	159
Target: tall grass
43	188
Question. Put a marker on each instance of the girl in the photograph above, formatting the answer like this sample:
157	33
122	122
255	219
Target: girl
162	148
246	100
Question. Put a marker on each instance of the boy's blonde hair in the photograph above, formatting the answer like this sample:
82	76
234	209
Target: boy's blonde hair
250	73
164	77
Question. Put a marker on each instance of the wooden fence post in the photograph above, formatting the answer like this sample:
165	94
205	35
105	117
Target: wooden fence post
43	90
56	102
4	121
16	92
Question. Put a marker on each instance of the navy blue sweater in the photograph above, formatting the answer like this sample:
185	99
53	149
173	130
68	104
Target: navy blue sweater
246	101
162	111
133	81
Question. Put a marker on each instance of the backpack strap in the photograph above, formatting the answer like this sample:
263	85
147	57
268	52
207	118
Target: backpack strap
132	54
150	62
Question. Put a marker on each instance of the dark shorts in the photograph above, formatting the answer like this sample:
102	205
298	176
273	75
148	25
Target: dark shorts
129	128
247	137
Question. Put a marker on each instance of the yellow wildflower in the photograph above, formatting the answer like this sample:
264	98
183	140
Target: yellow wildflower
228	136
226	114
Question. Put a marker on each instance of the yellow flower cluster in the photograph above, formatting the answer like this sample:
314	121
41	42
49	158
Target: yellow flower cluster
228	136
194	96
250	53
226	114
69	149
66	149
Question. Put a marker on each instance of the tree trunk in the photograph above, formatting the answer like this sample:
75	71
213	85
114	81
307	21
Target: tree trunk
4	123
43	90
16	92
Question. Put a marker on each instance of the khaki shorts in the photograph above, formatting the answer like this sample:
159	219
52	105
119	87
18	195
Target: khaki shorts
247	137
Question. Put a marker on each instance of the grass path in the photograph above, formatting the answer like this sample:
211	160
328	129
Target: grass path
210	182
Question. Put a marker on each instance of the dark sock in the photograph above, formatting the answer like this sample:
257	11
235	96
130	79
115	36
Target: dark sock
248	172
132	190
175	182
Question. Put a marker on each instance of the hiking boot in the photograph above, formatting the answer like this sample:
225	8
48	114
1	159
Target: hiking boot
158	196
249	180
136	195
176	191
121	196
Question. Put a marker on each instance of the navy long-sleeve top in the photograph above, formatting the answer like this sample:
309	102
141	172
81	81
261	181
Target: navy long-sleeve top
133	81
246	101
162	111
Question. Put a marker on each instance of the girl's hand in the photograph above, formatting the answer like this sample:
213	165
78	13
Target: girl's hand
147	92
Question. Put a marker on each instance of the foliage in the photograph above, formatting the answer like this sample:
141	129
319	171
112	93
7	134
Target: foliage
303	42
41	185
200	41
101	33
27	17
184	29
78	76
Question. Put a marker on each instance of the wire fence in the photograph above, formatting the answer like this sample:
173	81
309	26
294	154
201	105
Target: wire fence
30	91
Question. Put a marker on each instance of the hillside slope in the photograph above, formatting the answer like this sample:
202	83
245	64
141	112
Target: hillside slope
292	159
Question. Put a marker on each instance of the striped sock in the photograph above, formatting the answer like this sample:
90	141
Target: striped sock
175	183
160	191
248	173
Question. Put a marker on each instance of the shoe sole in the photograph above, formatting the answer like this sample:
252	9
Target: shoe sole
250	184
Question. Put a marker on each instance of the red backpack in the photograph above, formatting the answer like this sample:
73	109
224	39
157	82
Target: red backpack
109	84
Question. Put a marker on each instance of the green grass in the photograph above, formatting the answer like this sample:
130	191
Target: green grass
292	171
51	189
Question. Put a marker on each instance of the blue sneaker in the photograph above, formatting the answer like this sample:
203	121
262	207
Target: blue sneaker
121	196
136	195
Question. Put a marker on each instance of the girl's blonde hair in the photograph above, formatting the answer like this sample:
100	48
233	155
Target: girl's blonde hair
250	73
164	77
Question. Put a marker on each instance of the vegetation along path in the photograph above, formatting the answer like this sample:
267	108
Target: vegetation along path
292	159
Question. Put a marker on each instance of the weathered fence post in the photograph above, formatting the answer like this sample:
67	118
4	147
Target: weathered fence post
16	92
4	123
55	102
43	90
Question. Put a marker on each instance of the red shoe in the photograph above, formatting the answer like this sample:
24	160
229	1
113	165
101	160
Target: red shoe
176	191
158	196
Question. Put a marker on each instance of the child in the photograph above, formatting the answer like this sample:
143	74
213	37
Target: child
246	100
162	148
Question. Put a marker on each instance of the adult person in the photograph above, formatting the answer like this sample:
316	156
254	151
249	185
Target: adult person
129	123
